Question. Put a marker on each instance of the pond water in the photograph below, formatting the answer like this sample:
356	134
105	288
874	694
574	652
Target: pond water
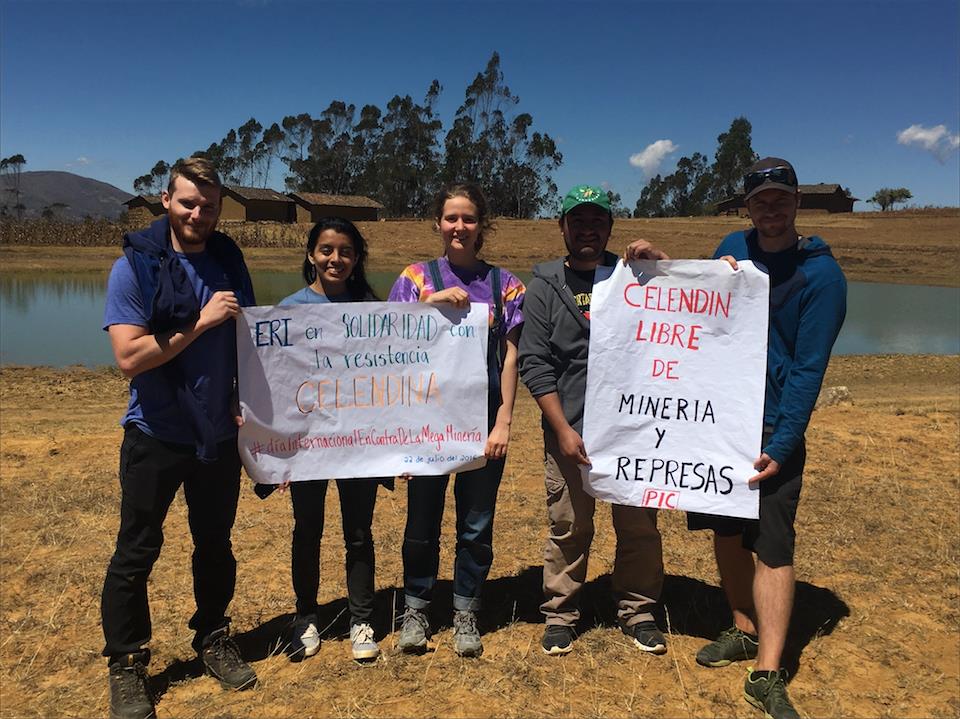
55	319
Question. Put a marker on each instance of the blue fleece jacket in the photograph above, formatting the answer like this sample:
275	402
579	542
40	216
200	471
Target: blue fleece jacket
808	302
199	383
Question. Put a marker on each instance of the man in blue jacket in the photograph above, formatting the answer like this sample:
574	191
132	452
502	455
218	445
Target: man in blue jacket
171	301
807	307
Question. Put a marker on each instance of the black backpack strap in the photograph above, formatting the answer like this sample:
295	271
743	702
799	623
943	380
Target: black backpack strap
435	277
497	296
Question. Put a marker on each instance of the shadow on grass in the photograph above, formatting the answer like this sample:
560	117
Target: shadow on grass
506	600
176	671
689	607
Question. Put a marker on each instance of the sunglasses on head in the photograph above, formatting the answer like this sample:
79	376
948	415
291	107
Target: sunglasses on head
780	175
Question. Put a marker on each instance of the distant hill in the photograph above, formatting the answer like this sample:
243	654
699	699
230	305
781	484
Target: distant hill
81	195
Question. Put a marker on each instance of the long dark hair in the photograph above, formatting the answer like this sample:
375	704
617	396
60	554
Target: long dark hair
357	286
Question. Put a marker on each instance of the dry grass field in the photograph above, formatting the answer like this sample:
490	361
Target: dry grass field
874	632
911	247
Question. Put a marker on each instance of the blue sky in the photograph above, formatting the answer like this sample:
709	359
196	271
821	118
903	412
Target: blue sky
862	93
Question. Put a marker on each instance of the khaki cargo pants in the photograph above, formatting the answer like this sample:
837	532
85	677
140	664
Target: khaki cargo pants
638	565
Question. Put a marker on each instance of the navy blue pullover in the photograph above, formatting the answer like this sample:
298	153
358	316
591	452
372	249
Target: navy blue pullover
808	302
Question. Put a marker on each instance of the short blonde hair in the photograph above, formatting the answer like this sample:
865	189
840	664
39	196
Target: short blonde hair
199	170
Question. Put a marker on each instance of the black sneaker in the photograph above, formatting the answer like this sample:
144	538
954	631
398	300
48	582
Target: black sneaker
647	637
767	691
557	639
130	696
733	645
222	660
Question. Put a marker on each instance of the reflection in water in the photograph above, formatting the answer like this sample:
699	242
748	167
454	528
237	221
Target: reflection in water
55	319
23	292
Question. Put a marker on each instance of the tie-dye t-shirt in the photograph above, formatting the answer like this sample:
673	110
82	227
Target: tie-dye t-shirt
415	283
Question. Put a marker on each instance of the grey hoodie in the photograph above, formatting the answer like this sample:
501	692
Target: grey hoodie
555	340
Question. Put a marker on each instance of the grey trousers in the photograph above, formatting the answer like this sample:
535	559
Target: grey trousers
638	564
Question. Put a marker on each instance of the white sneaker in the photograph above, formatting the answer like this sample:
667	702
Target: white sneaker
305	639
364	646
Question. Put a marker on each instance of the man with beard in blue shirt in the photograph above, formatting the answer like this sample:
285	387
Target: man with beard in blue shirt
171	301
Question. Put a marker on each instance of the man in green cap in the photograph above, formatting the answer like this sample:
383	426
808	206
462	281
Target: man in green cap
553	366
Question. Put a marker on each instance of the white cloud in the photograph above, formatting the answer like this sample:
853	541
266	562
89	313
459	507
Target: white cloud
936	140
81	161
650	158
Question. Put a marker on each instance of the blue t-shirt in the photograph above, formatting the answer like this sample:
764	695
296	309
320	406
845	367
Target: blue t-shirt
309	296
209	363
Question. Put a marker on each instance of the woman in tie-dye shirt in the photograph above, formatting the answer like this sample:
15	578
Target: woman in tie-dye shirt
459	277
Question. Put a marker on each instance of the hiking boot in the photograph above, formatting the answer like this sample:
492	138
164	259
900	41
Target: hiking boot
130	696
363	645
733	645
414	632
304	638
647	637
466	637
767	691
557	639
222	660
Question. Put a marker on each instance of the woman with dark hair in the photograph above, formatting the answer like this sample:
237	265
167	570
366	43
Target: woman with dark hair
458	278
334	266
334	272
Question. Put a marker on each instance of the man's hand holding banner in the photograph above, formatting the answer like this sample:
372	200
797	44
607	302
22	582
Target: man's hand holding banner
361	389
675	385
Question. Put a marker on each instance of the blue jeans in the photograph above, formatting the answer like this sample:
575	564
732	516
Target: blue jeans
475	493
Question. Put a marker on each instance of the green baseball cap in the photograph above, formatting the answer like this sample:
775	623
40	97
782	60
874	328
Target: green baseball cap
585	194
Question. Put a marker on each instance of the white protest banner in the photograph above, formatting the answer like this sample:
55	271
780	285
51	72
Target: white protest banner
361	389
675	383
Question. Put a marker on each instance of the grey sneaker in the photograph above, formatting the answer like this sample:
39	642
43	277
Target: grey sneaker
304	638
130	696
414	632
767	691
466	637
557	639
222	660
647	636
733	645
363	645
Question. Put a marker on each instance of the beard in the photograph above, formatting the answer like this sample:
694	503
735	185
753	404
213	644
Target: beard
192	234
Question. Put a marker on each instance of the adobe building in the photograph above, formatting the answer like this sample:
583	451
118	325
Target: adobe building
821	197
144	209
254	204
311	206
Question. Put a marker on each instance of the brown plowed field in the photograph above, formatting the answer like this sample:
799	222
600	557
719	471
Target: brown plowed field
918	247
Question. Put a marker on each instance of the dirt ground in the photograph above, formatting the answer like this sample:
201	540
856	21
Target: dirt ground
913	247
874	633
